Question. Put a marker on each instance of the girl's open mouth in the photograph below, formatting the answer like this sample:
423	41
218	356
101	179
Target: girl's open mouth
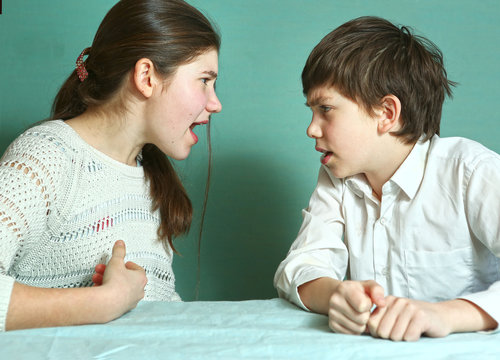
204	122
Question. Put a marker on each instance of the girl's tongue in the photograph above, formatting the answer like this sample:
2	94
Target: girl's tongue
193	134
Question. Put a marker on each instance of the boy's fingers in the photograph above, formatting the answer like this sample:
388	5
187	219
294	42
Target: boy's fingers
376	293
360	303
119	250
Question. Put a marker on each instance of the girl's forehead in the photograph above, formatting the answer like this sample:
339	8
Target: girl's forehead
207	61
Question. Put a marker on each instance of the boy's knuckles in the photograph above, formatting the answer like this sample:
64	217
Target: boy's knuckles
362	304
364	317
336	300
390	299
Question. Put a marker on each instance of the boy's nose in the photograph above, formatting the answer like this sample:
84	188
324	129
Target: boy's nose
313	130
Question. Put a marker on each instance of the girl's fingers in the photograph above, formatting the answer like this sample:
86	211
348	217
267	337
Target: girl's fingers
100	268
97	279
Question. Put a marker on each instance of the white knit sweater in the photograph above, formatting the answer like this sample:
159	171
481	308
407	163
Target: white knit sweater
63	204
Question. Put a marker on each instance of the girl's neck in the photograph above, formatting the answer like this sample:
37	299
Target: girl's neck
117	137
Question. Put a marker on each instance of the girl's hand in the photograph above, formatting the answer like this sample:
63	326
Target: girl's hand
123	283
98	275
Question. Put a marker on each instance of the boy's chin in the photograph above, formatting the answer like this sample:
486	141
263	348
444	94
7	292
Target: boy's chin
338	172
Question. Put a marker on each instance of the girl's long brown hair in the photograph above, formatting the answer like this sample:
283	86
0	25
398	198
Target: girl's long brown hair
168	32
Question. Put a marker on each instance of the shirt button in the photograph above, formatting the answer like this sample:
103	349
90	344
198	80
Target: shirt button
382	221
385	272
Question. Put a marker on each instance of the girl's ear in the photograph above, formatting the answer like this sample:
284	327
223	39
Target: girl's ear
389	114
144	77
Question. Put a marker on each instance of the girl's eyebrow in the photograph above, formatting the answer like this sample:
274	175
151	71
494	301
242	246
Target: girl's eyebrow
213	74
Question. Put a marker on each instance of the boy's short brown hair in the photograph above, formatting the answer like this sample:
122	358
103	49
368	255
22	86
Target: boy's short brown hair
368	58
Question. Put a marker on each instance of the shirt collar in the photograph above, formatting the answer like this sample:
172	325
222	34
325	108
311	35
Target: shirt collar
411	172
408	176
358	185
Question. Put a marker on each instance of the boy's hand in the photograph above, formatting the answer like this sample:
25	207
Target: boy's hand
405	319
350	305
124	283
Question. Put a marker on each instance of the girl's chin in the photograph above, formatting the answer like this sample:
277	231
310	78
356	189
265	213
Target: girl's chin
182	155
179	157
178	151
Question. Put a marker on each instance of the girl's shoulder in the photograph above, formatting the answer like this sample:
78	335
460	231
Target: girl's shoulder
46	152
48	140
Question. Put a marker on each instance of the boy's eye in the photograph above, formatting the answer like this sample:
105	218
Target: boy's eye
325	108
204	80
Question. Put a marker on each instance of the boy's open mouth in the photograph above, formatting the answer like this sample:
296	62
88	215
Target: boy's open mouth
326	155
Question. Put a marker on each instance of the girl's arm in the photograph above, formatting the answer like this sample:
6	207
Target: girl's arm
122	288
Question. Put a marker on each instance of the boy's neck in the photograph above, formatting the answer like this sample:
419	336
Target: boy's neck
387	165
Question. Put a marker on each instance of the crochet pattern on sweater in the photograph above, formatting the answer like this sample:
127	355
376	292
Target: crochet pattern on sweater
63	204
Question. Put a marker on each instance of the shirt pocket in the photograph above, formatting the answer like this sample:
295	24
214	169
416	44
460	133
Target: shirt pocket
439	275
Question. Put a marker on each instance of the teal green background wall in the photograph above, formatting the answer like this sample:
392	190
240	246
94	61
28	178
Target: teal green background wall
264	165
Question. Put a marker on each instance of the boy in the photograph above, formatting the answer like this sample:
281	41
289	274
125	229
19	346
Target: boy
408	219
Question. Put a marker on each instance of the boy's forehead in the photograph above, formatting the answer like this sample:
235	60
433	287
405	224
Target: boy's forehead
321	94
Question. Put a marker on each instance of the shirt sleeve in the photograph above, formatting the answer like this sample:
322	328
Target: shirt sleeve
318	250
26	194
482	199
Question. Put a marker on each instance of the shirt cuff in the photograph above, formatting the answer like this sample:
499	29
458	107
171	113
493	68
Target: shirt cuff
6	285
302	278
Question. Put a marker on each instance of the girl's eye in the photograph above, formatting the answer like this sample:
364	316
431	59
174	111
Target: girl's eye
204	81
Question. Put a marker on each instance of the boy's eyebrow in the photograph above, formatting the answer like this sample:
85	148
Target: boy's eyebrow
317	100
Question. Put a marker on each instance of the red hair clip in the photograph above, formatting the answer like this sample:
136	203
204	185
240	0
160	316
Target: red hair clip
80	65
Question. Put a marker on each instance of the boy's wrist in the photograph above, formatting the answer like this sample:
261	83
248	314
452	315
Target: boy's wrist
316	294
464	316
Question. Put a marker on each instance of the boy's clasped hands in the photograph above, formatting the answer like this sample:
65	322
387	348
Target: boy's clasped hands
357	307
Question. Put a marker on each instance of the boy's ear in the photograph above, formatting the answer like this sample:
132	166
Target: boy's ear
389	114
144	77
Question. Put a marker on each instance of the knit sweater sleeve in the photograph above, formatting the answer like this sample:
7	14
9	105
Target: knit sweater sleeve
30	171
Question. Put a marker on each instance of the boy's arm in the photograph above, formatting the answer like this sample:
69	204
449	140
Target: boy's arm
318	251
316	294
481	202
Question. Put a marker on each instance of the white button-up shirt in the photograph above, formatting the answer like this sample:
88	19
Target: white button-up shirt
434	236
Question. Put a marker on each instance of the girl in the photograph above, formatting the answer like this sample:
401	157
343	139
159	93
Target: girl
78	187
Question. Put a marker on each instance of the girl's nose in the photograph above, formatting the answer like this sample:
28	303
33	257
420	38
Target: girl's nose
214	105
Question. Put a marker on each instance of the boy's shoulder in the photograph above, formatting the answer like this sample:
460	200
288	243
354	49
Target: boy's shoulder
459	149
